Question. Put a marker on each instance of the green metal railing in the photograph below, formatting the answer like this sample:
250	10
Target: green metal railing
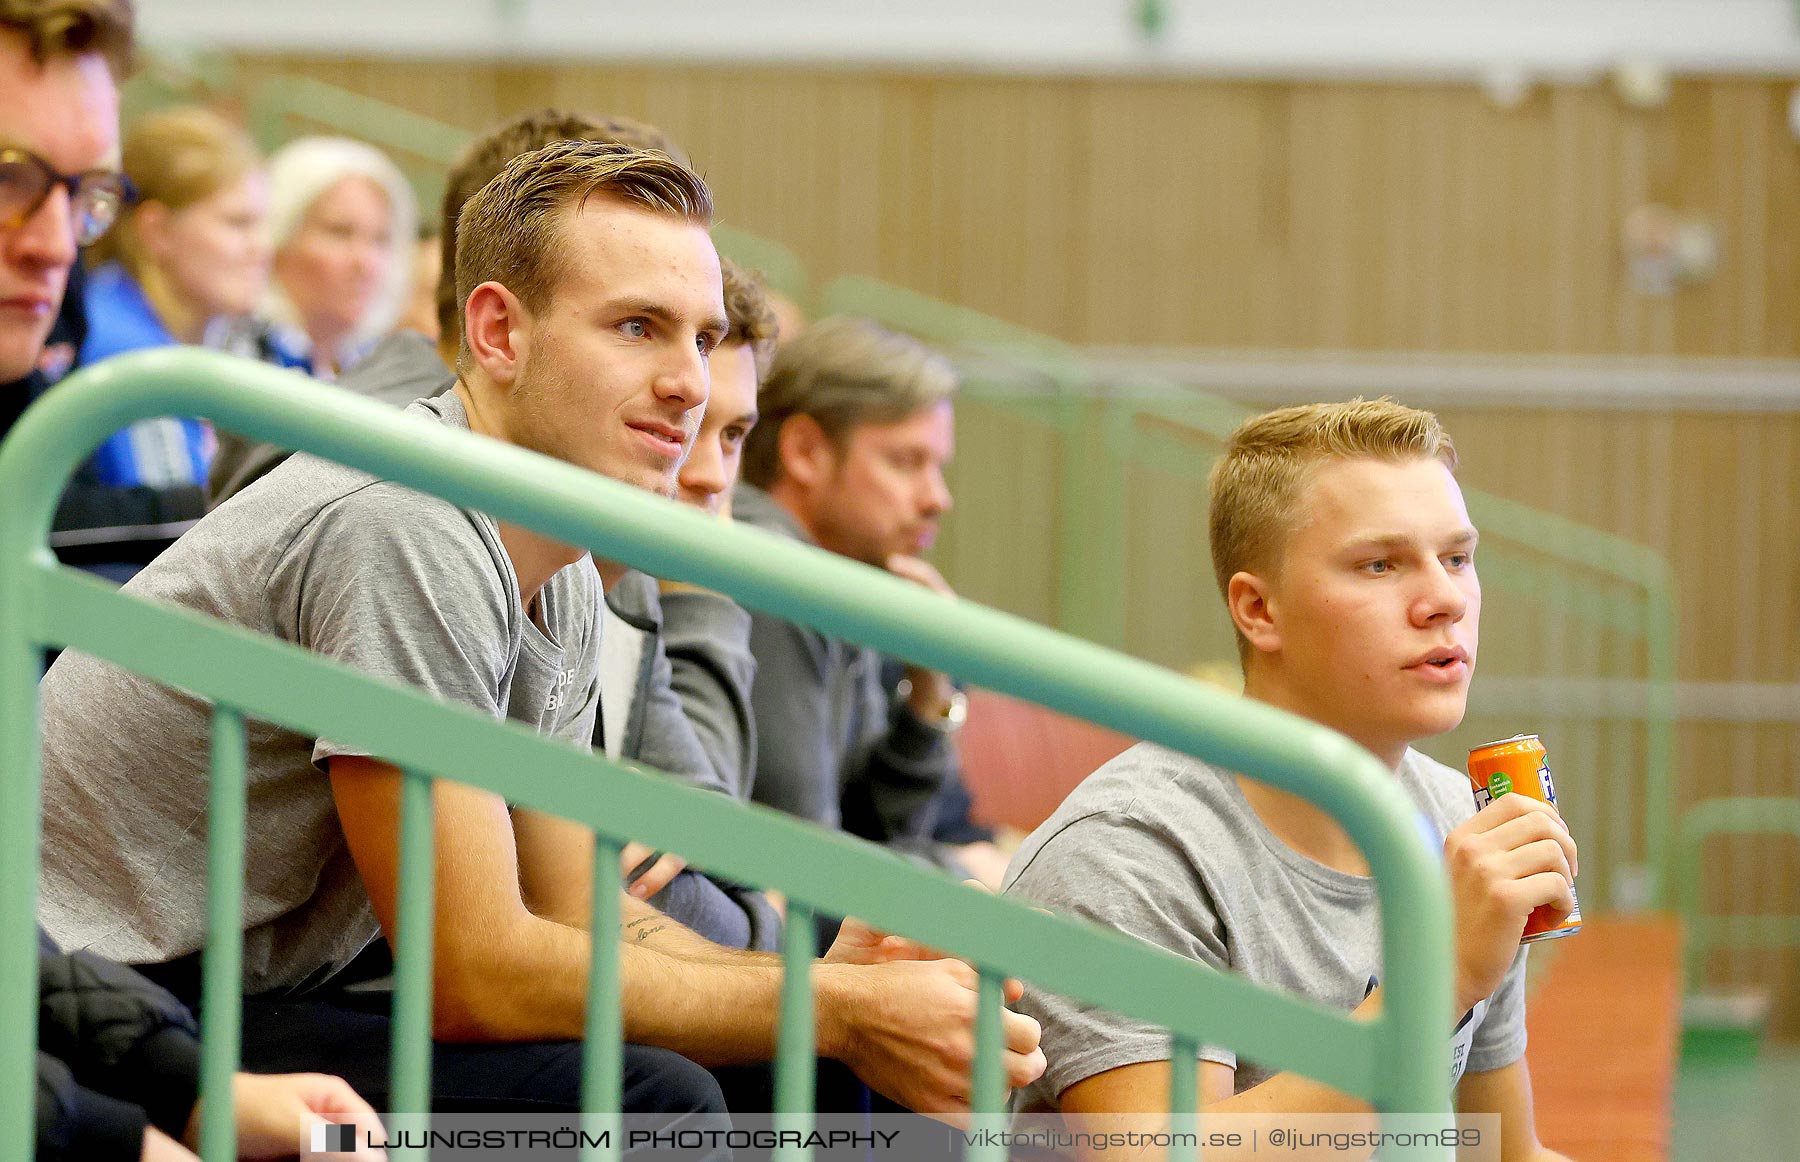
43	604
1706	933
1107	428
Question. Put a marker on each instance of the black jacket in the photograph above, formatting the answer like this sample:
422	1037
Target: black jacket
115	1053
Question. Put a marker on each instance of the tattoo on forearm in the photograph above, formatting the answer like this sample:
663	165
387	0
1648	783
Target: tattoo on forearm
643	933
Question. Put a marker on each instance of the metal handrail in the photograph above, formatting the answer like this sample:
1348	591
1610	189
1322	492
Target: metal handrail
1731	815
45	604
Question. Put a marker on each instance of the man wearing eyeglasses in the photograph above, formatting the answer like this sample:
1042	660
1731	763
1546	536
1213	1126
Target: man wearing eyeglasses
117	1065
59	191
59	138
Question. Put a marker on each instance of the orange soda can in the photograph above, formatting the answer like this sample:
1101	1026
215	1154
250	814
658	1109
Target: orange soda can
1520	765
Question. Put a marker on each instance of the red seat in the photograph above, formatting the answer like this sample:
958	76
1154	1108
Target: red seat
1020	760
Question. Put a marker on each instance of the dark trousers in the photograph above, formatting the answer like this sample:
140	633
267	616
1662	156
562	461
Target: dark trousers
341	1029
348	1034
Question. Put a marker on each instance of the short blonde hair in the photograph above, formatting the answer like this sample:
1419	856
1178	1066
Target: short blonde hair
844	372
1256	484
510	232
747	310
176	158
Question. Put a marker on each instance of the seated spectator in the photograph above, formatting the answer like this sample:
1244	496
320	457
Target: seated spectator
57	194
856	429
420	312
676	689
709	475
414	361
591	301
184	264
1347	562
342	223
675	660
118	1074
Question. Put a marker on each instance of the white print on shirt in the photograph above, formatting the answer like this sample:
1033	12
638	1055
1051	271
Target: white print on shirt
1464	1039
564	679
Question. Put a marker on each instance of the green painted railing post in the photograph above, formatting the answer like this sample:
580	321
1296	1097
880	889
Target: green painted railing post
987	1081
795	1064
603	1064
415	920
1079	586
21	659
1184	1089
1659	739
222	965
1111	505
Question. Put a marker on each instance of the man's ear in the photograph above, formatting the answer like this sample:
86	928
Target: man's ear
807	454
1250	600
499	331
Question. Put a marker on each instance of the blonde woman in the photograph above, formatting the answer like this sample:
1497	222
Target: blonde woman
186	264
341	224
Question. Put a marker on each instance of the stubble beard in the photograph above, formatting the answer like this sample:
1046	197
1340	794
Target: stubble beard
541	418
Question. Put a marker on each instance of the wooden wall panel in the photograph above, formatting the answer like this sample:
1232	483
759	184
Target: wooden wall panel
1217	213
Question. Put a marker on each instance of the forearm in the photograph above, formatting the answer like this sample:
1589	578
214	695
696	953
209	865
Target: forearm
642	925
1291	1093
1135	1099
526	981
719	1006
1280	1103
678	991
712	1013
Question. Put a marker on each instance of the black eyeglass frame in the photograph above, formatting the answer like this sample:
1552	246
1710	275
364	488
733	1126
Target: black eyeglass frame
83	188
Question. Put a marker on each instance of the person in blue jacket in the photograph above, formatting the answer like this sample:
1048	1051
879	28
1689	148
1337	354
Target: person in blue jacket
187	264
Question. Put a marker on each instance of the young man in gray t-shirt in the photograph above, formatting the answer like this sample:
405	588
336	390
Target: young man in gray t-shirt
1346	558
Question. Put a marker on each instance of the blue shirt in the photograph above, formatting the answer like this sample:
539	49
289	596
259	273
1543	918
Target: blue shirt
159	453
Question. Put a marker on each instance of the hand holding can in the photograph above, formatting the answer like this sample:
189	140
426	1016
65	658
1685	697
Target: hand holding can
1521	766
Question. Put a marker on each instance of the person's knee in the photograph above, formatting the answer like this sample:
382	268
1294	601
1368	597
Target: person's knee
660	1081
703	906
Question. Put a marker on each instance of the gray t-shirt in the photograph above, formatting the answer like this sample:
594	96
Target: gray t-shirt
1165	847
398	584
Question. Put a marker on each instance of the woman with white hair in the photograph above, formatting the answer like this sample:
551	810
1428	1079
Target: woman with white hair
341	224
